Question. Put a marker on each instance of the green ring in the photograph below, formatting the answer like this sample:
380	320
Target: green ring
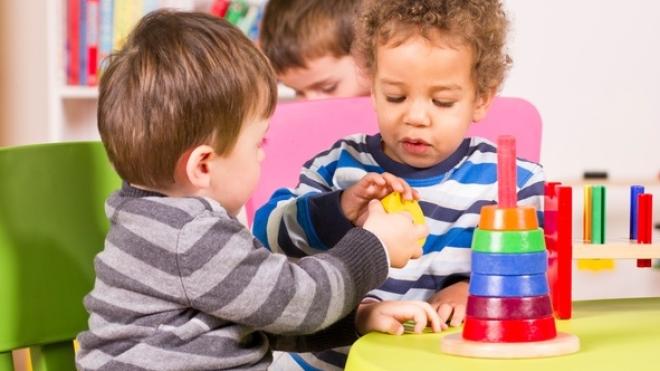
513	242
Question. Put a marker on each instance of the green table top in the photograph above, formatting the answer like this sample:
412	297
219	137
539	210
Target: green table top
621	335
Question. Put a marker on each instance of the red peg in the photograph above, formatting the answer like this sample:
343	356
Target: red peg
506	171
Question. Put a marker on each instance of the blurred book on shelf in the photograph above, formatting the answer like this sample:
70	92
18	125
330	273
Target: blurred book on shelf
94	28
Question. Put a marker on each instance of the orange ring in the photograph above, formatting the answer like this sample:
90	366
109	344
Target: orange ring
522	218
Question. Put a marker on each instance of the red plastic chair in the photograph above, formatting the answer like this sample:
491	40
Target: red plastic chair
301	129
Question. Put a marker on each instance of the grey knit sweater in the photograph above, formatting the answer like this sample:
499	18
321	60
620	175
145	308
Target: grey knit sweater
181	285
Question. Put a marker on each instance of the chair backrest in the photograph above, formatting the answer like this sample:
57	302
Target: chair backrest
52	224
301	129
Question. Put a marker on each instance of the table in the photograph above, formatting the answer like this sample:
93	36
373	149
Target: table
617	335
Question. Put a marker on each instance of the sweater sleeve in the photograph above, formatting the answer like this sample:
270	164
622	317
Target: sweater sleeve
307	219
341	333
228	274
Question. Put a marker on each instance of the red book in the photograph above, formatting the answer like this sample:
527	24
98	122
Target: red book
73	42
92	40
219	8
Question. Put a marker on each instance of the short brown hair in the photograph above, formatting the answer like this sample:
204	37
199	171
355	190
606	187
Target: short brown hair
293	31
182	79
482	24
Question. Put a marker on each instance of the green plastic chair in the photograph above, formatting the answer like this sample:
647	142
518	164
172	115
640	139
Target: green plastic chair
52	224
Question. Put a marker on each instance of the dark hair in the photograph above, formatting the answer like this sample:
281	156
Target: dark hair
182	79
293	31
482	24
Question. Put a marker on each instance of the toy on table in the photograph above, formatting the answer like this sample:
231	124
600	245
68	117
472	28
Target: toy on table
559	239
394	203
509	314
593	226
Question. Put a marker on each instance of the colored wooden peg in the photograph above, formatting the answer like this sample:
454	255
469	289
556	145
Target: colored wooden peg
644	224
597	234
506	171
598	198
586	220
635	191
559	239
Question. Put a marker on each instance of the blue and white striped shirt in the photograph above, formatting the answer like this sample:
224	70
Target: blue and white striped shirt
308	219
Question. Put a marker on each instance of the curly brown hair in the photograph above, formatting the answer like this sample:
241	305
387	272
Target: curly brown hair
482	24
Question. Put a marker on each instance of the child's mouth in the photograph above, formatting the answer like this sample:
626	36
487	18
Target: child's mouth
414	146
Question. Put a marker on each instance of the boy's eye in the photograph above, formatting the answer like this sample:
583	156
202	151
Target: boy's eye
395	99
444	104
329	89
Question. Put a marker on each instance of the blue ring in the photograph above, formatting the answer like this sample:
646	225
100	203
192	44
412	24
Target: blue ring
502	264
528	285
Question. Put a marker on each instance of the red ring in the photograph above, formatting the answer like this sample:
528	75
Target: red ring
509	330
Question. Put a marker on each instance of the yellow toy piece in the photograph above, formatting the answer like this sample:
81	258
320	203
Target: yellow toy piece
393	203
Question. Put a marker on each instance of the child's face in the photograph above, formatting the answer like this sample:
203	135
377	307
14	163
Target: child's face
234	176
425	98
326	77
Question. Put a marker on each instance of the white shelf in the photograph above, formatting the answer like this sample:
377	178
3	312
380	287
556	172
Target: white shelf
79	92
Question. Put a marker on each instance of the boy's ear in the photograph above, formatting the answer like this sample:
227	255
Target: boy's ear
198	166
484	101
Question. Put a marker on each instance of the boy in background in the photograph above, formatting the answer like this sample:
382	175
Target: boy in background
435	67
309	44
181	284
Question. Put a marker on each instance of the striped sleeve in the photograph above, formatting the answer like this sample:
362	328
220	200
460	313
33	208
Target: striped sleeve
531	186
228	274
295	221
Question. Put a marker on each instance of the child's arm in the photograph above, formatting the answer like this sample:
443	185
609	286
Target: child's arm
311	217
387	317
226	273
450	303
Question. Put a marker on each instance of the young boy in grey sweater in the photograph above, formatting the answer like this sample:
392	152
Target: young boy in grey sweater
181	284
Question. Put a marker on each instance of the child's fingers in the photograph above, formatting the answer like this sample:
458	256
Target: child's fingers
375	207
444	312
458	316
392	326
398	185
431	315
372	185
373	179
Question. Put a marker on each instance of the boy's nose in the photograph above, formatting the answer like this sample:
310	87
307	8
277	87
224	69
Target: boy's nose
418	114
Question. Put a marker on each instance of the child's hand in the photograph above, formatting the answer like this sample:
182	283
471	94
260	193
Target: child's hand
389	316
397	232
373	186
450	303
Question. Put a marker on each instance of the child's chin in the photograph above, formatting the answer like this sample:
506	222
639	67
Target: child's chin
419	163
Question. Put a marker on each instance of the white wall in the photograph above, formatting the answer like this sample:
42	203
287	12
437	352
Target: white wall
23	72
592	68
